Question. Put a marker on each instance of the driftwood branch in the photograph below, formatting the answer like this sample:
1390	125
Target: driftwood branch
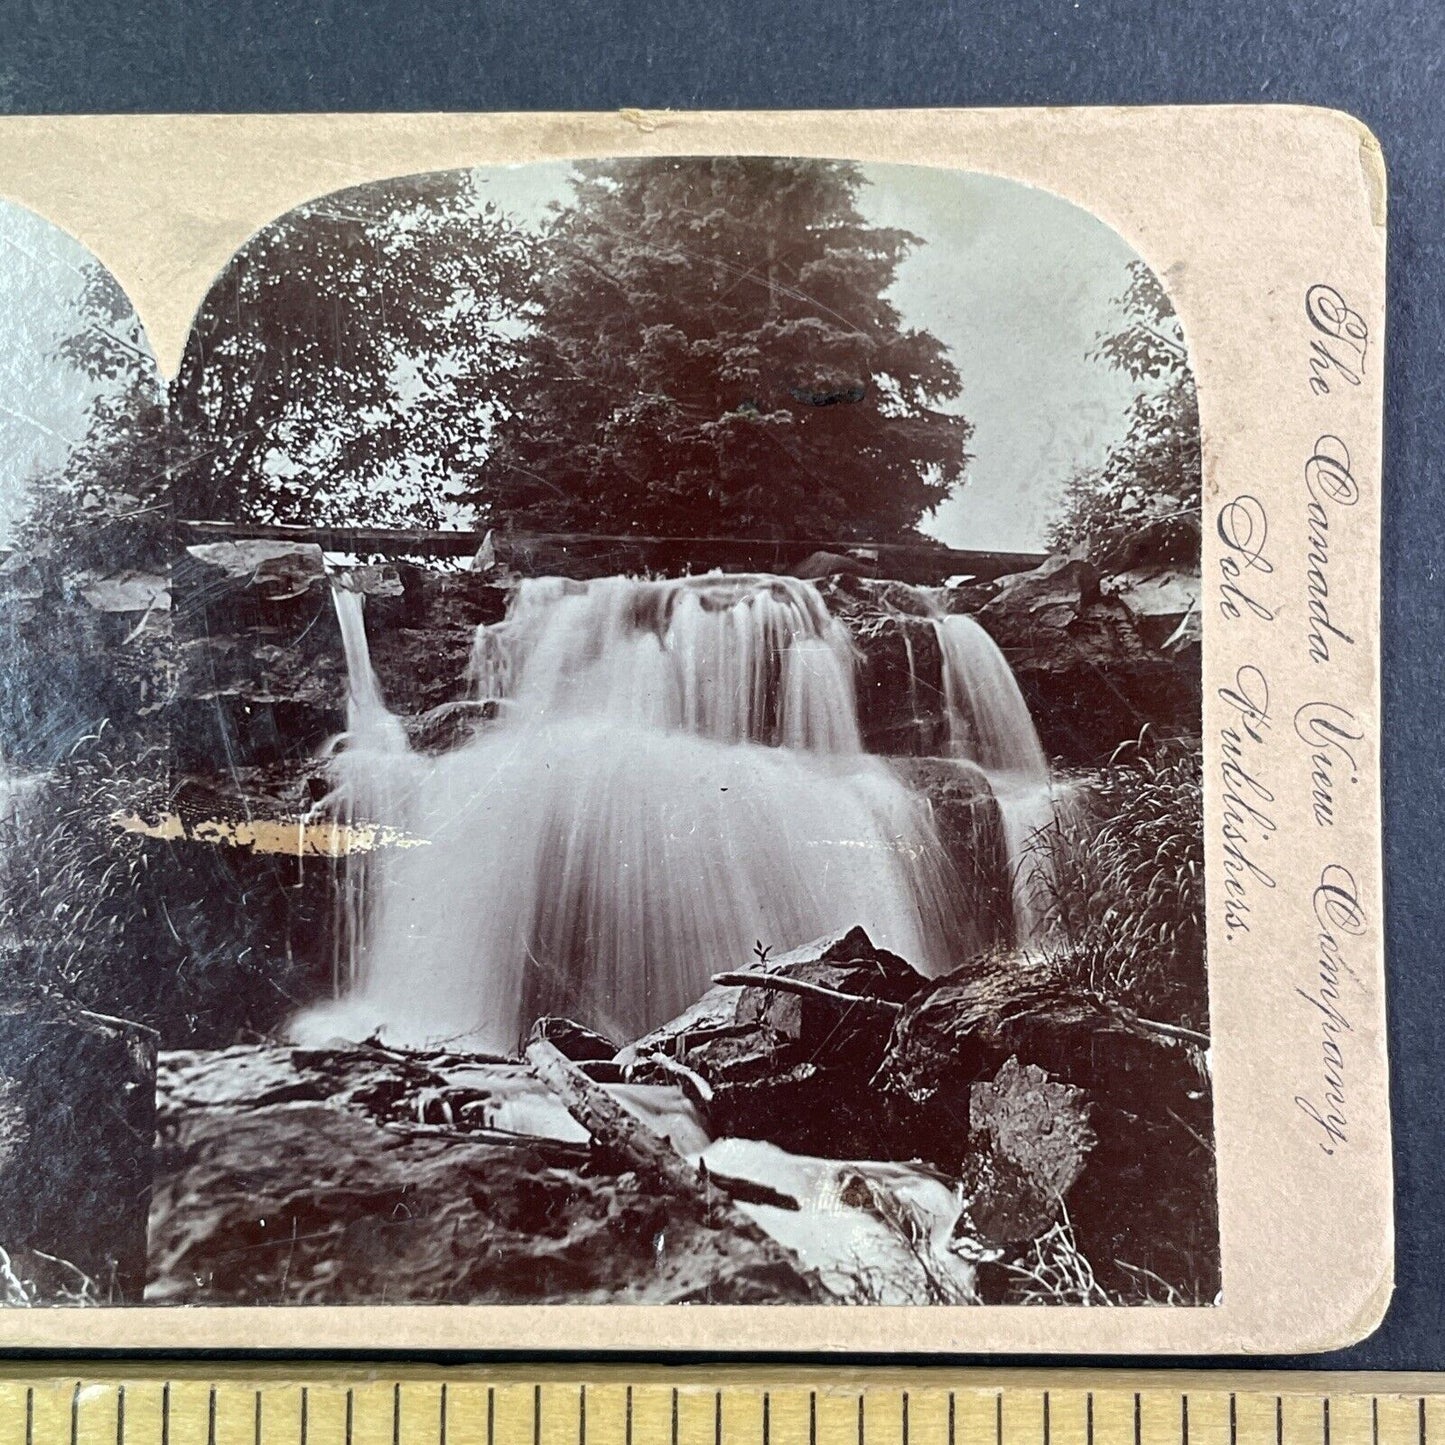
693	1084
1164	1031
781	983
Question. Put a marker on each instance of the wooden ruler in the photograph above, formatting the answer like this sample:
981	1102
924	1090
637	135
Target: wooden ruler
318	1404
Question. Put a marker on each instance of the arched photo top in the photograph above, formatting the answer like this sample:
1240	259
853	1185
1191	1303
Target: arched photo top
84	494
76	369
686	346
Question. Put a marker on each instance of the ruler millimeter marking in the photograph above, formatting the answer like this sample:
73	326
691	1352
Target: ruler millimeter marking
324	1405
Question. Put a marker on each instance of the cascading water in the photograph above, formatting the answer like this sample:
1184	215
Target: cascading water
675	772
989	724
374	776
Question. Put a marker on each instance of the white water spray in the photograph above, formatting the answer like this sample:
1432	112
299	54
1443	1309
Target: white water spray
675	774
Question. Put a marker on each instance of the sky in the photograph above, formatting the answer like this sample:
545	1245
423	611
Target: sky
1017	282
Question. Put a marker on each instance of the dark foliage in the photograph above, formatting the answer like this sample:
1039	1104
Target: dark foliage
352	360
108	507
1152	477
105	513
717	354
1126	883
204	944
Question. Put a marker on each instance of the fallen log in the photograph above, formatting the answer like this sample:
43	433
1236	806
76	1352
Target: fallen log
632	1146
628	1143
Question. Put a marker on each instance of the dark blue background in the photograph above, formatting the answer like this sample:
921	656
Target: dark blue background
1384	60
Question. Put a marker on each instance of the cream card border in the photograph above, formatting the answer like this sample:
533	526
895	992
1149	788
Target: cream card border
1241	210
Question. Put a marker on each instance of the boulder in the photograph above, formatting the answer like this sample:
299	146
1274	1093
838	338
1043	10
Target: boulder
367	1176
1146	1196
1159	600
573	1040
792	1065
1029	1139
1060	588
449	725
818	565
77	1122
235	586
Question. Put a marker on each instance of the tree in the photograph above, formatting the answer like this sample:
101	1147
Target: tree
105	510
1151	478
716	352
350	362
108	506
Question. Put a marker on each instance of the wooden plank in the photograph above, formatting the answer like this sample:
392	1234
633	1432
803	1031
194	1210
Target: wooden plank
894	558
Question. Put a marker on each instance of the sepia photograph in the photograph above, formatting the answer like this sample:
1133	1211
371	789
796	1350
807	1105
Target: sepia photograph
623	731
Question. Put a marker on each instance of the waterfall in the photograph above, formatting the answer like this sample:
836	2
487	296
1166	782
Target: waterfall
373	774
989	724
674	776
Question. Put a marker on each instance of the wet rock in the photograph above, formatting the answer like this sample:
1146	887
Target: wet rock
301	1203
259	674
1098	651
421	669
901	708
449	725
77	1123
794	1068
966	814
573	1040
376	581
364	1175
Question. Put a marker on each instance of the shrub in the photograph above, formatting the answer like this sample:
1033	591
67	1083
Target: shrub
1124	883
191	939
75	896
